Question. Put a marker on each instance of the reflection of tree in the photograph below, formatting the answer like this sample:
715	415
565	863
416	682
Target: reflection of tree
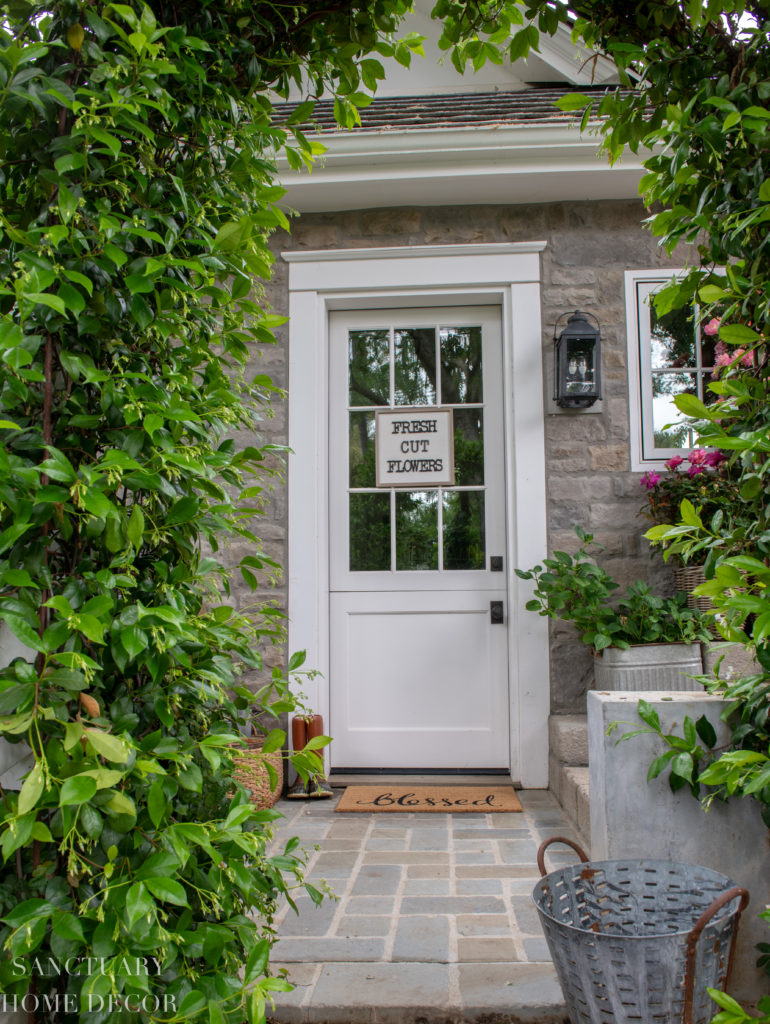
674	334
464	544
370	532
417	530
415	366
369	361
362	469
461	380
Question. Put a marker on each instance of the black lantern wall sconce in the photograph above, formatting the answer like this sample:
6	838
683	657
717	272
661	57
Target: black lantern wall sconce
577	362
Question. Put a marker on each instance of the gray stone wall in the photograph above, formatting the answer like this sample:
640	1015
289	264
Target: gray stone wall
589	247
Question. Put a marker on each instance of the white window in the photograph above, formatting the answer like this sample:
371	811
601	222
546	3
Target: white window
668	355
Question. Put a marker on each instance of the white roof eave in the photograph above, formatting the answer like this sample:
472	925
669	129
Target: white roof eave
466	165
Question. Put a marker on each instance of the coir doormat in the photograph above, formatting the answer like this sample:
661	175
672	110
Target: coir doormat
436	799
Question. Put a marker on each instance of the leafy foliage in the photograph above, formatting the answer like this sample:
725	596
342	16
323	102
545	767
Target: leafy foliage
574	588
137	193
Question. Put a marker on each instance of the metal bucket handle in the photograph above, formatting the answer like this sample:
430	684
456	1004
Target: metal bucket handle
692	941
557	839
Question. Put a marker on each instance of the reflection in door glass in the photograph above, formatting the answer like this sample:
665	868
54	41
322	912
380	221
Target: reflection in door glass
469	446
461	365
370	532
415	366
369	356
417	530
361	449
464	541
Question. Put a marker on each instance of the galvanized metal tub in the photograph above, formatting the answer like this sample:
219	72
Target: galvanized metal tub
648	667
638	941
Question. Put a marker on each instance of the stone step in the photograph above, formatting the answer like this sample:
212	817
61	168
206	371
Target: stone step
569	739
569	776
421	993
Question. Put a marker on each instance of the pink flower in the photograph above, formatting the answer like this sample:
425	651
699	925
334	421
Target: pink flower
694	470
649	480
714	458
712	327
674	461
697	457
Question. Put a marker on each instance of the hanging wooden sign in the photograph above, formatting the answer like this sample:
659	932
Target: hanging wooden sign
415	447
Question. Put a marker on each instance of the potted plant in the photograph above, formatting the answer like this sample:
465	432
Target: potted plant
708	483
641	641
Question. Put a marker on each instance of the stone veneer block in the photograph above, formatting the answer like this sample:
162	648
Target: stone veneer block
632	818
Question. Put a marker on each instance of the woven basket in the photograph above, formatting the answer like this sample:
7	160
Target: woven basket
250	770
686	578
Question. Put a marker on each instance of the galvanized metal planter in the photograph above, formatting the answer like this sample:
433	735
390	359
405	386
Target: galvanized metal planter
648	667
638	941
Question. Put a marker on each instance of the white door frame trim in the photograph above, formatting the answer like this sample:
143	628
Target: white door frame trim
504	274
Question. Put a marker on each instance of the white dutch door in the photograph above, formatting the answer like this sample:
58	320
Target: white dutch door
418	669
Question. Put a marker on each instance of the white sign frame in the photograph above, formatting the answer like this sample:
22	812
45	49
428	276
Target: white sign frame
431	440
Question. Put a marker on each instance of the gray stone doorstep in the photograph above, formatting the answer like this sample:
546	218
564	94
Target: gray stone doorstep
408	993
433	921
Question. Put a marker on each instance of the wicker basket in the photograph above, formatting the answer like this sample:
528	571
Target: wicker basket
686	578
250	770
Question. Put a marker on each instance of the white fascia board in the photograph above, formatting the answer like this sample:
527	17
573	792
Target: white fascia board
575	63
469	165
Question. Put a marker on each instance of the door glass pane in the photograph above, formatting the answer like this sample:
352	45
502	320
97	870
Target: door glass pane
417	530
469	446
669	424
415	366
461	365
369	355
464	541
672	339
370	532
361	449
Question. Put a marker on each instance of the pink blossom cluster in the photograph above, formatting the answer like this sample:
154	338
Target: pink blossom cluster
700	460
724	357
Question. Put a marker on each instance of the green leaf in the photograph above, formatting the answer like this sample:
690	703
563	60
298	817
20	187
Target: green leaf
648	714
573	101
182	511
78	789
706	731
120	803
659	764
67	203
135	528
23	630
157	804
32	789
738	334
256	965
139	903
168	890
109	746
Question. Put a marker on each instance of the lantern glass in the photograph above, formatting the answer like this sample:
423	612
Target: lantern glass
577	352
580	376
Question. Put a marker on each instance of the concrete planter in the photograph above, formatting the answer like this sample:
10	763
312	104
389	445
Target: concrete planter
648	667
633	818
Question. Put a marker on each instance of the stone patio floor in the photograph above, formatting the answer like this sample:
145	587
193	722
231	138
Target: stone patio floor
433	920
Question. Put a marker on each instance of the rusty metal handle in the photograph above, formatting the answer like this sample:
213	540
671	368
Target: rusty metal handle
692	942
557	839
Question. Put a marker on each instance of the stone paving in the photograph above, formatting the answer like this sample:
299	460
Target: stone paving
433	919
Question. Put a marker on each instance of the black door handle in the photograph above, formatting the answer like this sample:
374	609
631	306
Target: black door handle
496	613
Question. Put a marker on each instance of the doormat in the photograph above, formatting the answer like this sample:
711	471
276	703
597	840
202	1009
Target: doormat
424	799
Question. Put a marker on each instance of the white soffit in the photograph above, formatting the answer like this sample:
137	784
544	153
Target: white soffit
468	165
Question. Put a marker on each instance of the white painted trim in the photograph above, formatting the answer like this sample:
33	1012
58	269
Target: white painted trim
440	166
419	274
639	382
398	252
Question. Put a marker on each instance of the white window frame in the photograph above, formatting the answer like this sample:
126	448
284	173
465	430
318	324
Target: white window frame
504	274
644	454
